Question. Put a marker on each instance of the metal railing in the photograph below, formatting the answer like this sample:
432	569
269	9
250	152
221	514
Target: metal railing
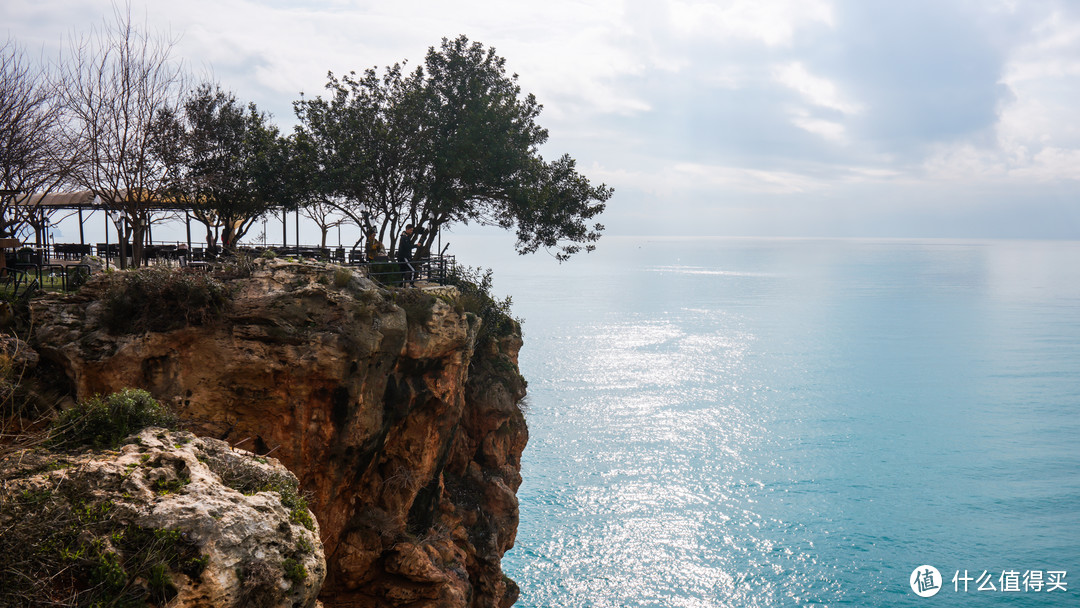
434	269
69	276
47	266
18	280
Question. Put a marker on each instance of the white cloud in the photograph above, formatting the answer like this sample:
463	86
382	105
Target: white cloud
773	23
815	90
830	130
1037	135
819	92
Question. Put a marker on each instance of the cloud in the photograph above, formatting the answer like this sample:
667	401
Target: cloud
771	23
724	104
1036	138
814	89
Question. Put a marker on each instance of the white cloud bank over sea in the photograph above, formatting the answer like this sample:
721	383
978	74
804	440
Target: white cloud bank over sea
744	117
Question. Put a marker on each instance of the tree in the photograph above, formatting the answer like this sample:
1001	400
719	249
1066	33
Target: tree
32	159
117	82
222	159
363	147
325	216
484	157
454	141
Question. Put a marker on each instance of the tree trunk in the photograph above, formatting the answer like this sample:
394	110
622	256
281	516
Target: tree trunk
138	233
122	239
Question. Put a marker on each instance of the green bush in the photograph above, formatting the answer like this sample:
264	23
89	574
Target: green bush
474	289
161	299
102	422
294	570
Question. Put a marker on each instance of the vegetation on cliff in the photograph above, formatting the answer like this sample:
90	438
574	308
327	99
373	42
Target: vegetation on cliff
161	299
136	526
474	296
103	422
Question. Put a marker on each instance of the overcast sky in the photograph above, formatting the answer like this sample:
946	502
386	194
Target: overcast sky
759	117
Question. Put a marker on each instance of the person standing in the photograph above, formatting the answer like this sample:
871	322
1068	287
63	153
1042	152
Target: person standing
404	255
375	250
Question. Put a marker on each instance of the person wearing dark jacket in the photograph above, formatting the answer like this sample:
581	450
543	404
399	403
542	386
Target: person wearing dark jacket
404	255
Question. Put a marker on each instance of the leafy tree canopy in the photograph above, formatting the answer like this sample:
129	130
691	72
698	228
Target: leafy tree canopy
453	141
224	161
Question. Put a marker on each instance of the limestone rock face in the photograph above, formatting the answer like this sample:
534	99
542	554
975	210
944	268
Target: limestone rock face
402	426
164	518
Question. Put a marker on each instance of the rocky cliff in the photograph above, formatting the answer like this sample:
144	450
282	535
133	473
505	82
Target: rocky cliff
166	518
397	414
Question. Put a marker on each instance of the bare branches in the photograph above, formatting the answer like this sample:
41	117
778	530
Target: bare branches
117	81
32	157
325	216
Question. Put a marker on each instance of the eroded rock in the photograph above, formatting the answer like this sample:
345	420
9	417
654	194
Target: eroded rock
168	518
401	426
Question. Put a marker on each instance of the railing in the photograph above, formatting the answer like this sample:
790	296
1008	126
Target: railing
16	279
44	263
70	277
434	269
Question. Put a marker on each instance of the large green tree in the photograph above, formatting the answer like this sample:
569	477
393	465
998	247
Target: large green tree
225	160
453	141
361	148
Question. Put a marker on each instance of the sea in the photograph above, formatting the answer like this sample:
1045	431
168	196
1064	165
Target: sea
765	423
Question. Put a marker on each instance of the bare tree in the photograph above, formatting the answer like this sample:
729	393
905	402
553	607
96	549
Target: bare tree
117	81
325	215
32	159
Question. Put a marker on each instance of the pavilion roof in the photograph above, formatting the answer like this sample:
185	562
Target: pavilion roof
87	200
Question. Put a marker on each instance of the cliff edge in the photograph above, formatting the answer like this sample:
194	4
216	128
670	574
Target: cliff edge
396	412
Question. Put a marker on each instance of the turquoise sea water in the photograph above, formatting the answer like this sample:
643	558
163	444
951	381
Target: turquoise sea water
780	422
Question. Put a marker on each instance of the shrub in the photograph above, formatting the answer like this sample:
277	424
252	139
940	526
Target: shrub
294	570
342	276
474	288
161	299
102	422
238	266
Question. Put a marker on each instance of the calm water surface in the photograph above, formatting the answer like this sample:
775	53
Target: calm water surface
770	422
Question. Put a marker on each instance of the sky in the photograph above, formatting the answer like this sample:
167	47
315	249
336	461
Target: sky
848	118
